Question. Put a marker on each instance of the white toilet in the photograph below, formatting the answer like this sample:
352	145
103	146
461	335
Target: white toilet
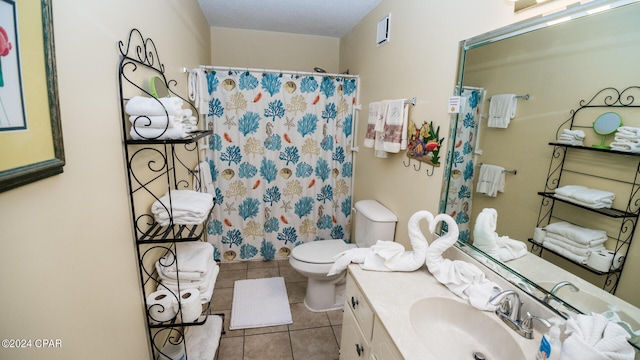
373	222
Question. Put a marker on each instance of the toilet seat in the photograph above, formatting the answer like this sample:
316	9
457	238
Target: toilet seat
320	252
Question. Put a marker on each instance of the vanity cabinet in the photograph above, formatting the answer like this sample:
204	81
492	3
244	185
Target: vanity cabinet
156	167
598	168
363	335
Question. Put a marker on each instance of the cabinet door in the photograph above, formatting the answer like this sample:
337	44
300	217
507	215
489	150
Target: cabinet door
355	300
382	347
353	344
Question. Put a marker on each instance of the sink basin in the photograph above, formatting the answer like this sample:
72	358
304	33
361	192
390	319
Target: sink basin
451	329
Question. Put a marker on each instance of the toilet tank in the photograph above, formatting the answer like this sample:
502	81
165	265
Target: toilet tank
373	222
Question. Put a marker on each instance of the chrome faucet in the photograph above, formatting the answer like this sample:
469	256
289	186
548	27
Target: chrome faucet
509	307
557	287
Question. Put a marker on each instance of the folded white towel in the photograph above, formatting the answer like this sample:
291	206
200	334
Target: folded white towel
574	244
490	180
564	252
601	205
395	126
569	190
581	251
629	130
576	233
631	140
142	133
152	121
625	146
183	206
502	108
594	337
192	256
204	286
589	197
576	134
142	105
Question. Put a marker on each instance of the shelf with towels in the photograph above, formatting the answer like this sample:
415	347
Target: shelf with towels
622	224
163	193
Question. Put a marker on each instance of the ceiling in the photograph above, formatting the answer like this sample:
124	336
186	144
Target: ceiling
332	18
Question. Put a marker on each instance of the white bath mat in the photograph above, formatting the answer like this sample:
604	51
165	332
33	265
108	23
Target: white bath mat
259	303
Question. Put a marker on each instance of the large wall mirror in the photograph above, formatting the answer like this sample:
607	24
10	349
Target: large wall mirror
553	65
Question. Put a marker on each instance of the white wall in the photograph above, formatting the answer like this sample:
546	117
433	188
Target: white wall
67	265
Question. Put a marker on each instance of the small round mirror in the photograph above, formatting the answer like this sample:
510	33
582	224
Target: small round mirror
159	88
606	124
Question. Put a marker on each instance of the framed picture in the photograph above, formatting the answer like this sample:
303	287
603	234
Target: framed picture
31	146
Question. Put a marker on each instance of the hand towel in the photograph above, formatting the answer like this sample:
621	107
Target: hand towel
632	140
142	105
202	180
205	286
490	180
594	337
576	233
375	111
395	126
502	108
152	121
198	89
600	205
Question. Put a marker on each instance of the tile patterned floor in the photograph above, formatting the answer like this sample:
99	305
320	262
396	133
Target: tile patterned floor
312	336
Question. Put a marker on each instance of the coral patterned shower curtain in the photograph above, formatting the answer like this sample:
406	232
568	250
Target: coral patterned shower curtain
458	198
281	161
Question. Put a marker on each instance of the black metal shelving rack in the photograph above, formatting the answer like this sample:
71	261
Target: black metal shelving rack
609	99
156	167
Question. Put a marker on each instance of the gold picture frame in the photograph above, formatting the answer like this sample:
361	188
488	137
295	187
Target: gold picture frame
37	151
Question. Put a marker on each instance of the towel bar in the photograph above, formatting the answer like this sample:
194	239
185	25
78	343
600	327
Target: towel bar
514	171
525	97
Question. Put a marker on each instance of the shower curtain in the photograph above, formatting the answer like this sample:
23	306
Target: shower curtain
458	198
281	161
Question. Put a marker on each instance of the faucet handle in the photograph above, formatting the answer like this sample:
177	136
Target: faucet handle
527	324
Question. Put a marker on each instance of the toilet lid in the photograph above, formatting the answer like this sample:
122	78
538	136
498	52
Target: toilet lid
320	252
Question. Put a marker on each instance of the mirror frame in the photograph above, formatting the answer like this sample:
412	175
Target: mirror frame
539	22
23	175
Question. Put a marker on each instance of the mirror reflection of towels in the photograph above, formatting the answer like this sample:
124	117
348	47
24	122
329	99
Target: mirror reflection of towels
502	108
490	180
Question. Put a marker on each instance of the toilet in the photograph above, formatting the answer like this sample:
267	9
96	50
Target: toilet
313	260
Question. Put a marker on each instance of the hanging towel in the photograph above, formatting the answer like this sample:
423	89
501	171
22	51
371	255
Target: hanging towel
202	180
502	108
490	180
374	137
395	126
198	89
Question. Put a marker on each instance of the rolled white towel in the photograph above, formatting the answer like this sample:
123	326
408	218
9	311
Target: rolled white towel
152	121
142	105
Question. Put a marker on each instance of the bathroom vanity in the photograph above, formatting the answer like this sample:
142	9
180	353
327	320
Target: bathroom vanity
387	316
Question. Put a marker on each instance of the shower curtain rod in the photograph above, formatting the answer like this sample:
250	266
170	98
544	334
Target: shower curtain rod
292	72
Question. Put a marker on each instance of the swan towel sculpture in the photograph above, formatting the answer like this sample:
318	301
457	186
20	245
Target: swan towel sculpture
486	239
463	279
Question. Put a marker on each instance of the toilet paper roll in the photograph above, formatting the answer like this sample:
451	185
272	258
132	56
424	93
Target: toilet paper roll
160	306
539	234
605	260
190	304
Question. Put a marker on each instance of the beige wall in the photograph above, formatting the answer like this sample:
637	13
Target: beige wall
67	266
273	50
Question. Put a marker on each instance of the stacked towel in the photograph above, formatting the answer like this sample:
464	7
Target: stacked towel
184	207
573	241
486	239
387	127
572	137
502	108
594	337
627	138
191	267
161	118
490	180
581	195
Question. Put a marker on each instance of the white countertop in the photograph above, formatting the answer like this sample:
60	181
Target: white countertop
391	295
